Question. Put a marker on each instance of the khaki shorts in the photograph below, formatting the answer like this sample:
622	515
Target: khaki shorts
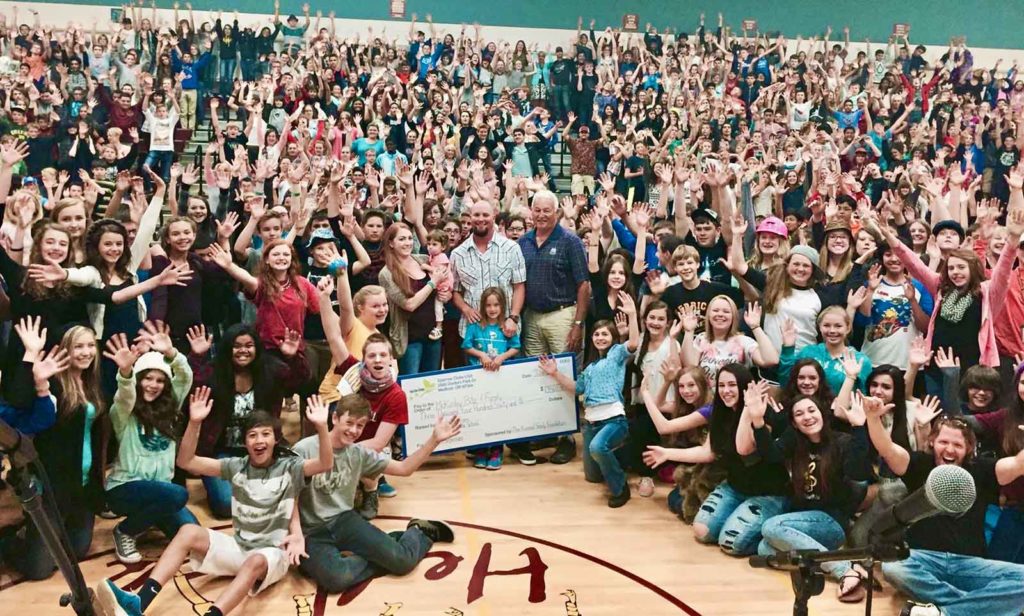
579	182
225	558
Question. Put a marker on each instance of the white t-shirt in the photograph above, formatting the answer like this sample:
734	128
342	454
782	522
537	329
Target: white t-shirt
161	131
714	355
802	306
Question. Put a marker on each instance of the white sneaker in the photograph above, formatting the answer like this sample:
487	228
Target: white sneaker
920	609
124	546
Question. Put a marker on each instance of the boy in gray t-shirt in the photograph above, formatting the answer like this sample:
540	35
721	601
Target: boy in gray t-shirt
331	526
264	513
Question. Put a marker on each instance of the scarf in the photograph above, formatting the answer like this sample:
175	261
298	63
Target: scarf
372	385
955	305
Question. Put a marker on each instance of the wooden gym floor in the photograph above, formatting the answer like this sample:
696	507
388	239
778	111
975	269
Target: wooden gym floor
529	541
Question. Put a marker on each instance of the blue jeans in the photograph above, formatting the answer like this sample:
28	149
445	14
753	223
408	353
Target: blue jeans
600	440
560	101
420	356
145	504
29	556
226	75
249	66
1006	542
959	585
734	520
373	552
163	161
218	494
805	530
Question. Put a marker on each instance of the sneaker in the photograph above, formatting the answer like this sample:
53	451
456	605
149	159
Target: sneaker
620	499
522	452
646	487
116	602
920	609
435	334
480	459
370	505
107	514
385	489
435	530
495	460
564	451
124	546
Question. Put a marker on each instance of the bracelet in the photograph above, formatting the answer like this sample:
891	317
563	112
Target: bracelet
17	249
430	283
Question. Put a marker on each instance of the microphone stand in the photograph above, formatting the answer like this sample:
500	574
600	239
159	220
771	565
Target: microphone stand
808	579
28	479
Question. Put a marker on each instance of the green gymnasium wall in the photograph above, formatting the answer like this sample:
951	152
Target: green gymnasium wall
985	23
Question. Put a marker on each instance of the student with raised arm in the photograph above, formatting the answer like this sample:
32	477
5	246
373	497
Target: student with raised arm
265	488
605	427
947	569
330	523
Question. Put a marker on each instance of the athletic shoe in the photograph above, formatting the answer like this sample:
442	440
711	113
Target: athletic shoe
370	505
124	546
646	487
435	334
564	451
920	609
385	489
107	514
435	530
480	459
495	460
116	602
522	452
619	500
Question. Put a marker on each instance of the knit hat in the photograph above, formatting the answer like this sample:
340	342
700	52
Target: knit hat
805	251
774	226
152	361
320	236
949	224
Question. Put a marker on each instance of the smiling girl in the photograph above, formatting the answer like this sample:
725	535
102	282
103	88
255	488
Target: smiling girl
151	387
605	427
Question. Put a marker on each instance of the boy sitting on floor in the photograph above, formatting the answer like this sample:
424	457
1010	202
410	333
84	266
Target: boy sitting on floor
264	514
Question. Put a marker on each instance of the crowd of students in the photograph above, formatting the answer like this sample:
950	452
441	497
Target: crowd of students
793	271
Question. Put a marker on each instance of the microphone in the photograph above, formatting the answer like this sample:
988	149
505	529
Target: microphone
949	490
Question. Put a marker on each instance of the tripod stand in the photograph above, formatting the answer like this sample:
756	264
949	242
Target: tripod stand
29	481
807	578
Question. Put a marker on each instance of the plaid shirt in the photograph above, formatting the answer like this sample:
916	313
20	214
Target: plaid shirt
501	265
554	270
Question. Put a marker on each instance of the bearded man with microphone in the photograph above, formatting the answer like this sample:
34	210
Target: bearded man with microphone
947	573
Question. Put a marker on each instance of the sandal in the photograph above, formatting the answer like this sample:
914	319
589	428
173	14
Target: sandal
435	334
854	593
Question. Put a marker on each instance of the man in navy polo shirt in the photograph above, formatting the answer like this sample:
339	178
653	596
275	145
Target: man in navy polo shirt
557	296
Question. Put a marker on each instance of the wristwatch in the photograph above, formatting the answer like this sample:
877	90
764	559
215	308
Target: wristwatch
577	323
515	318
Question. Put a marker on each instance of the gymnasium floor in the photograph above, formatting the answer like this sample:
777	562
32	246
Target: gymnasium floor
529	541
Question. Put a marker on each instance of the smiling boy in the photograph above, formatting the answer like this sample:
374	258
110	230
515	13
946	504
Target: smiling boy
264	493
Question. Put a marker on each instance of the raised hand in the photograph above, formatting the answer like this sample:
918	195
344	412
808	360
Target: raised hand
157	335
874	276
873	407
920	353
55	362
946	358
121	353
627	304
290	345
788	333
51	273
200	404
226	227
548	365
622	324
754	401
198	340
176	274
670	370
688	317
32	338
447	427
220	256
655	282
927	410
752	316
855	415
316	411
851	363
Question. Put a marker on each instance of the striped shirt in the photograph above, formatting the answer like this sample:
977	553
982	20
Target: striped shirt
262	499
500	265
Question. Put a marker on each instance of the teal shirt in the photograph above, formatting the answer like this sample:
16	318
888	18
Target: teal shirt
90	417
834	373
488	339
601	382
